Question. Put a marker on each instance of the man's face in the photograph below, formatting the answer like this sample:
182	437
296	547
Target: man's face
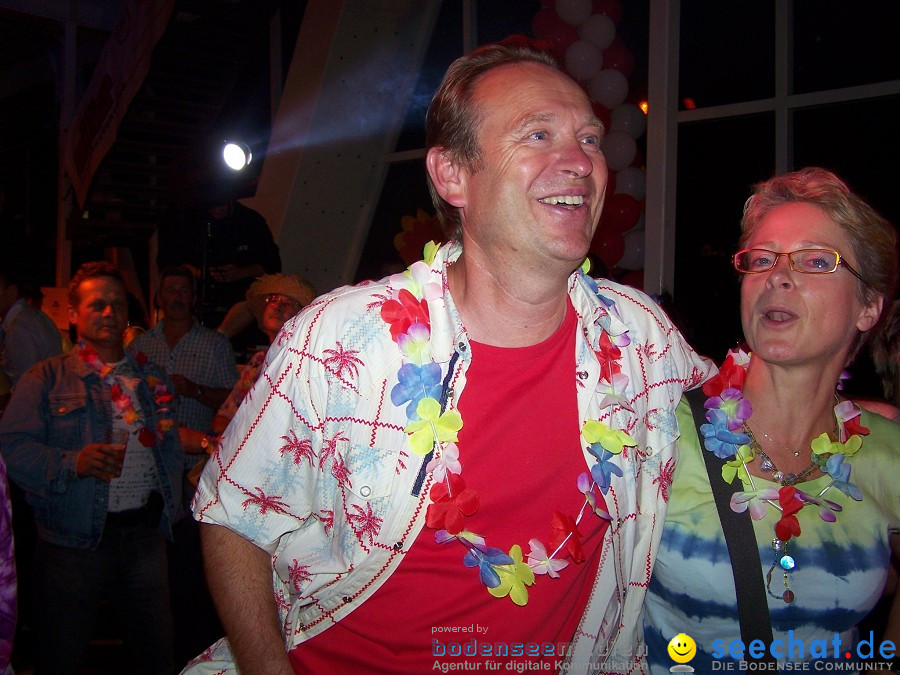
176	298
102	312
279	308
535	197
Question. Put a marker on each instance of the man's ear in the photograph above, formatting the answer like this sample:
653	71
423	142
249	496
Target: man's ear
73	314
448	176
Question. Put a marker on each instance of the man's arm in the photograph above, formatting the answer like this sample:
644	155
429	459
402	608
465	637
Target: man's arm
239	575
31	462
211	397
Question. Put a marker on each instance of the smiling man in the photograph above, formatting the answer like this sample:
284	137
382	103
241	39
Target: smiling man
435	449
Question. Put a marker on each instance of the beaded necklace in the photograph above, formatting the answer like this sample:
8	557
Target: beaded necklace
724	436
433	430
122	401
766	464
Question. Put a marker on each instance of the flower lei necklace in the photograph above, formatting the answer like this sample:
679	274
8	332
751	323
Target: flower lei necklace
725	437
123	402
433	431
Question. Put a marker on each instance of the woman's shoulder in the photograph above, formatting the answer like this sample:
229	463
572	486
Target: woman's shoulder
879	409
884	434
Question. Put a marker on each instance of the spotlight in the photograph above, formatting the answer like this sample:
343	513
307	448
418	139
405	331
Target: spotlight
236	155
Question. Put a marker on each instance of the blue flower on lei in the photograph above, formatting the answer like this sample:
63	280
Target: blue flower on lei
717	438
415	383
603	470
840	474
484	558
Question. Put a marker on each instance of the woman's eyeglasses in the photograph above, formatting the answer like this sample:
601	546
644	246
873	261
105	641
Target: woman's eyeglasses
804	260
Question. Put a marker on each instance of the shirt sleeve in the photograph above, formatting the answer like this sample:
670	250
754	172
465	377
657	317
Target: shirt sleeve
22	351
260	482
31	462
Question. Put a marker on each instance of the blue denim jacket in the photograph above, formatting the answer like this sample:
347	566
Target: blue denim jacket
57	408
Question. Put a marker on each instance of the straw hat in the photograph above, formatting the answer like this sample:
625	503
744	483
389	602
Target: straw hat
291	285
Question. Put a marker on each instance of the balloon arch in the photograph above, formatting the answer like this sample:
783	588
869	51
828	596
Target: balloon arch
581	34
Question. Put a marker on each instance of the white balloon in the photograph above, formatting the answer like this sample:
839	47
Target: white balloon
609	87
574	11
630	119
583	59
631	181
633	258
619	149
599	29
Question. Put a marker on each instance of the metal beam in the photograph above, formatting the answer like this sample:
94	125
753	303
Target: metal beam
662	146
347	92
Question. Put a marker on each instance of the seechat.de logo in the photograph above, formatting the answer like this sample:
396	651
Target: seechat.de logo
682	649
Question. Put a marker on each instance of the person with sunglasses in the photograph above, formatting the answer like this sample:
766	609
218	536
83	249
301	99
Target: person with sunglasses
811	478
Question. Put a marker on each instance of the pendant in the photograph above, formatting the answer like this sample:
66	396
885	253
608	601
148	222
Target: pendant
786	563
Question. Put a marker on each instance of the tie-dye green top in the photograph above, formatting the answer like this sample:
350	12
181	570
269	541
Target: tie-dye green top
841	566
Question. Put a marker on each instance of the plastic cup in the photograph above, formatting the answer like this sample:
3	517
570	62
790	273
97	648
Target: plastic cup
119	441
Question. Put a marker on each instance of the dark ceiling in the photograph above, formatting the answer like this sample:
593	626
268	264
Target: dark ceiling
209	77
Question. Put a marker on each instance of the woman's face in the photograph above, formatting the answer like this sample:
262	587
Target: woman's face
793	318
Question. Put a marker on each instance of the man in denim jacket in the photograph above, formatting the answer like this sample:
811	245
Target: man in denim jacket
91	438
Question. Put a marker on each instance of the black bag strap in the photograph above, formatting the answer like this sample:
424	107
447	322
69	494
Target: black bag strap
753	608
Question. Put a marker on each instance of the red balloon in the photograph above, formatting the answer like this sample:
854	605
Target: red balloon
638	160
610	185
607	245
603	114
618	57
517	41
612	9
634	278
547	24
620	213
542	23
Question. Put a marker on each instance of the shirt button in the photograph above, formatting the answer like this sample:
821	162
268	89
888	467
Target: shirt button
582	374
365	491
398	546
461	346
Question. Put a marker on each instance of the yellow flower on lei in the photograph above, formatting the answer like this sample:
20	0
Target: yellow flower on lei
824	445
514	578
611	439
738	465
431	426
431	249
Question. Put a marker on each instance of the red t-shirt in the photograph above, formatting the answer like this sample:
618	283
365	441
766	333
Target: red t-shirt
520	450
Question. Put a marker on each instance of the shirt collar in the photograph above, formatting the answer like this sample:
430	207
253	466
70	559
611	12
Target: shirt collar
448	334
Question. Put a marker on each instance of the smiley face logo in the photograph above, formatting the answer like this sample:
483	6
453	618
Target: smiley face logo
682	648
